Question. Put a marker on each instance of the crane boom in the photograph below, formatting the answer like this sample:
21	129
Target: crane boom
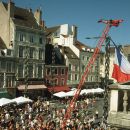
88	68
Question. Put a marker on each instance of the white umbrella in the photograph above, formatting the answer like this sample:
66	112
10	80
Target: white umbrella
60	94
84	91
99	90
71	93
22	100
6	101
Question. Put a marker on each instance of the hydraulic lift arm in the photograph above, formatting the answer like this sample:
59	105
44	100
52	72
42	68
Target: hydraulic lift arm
109	24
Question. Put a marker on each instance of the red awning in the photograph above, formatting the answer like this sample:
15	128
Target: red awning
58	88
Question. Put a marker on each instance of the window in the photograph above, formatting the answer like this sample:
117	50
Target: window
9	52
31	39
1	80
3	65
9	81
55	82
21	49
62	71
31	52
56	34
88	78
96	78
83	57
76	77
83	68
21	37
40	54
62	82
48	71
76	67
40	40
70	67
56	71
40	71
91	78
69	77
20	70
30	71
9	67
48	82
87	58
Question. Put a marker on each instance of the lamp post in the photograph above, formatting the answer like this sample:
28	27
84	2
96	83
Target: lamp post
53	68
26	71
106	80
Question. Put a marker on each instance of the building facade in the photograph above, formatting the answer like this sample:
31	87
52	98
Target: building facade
23	34
76	55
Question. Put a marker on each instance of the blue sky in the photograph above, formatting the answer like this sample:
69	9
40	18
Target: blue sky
85	14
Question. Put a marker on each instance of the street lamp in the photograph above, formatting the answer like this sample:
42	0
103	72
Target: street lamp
26	71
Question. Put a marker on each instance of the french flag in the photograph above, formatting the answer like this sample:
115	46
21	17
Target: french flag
121	70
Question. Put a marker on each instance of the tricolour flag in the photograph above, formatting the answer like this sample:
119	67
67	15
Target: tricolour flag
121	70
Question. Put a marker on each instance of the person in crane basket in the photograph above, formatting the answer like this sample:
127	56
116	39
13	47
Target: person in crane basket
111	22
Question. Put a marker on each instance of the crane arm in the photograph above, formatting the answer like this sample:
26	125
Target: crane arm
83	78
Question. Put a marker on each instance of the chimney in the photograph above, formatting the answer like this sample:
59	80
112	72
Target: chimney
38	16
74	31
11	7
42	23
30	10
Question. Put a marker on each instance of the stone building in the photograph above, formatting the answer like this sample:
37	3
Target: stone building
7	70
22	31
75	53
119	113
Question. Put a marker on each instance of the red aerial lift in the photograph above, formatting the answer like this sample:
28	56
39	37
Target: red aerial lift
109	24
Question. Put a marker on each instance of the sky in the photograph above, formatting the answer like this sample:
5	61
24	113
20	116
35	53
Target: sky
85	14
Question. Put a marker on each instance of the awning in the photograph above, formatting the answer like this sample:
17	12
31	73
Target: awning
32	87
58	88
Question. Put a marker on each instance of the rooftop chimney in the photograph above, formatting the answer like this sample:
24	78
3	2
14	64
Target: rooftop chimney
38	16
30	10
74	31
11	6
42	23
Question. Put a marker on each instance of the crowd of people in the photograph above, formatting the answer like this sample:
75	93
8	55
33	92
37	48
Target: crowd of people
48	115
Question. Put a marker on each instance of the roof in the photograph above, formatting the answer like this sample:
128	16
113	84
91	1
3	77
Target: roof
32	87
58	89
2	44
69	53
51	30
120	85
80	45
24	17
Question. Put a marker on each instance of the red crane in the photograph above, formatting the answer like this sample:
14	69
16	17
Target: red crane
109	24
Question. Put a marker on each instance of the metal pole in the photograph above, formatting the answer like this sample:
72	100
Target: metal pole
52	67
106	80
26	71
